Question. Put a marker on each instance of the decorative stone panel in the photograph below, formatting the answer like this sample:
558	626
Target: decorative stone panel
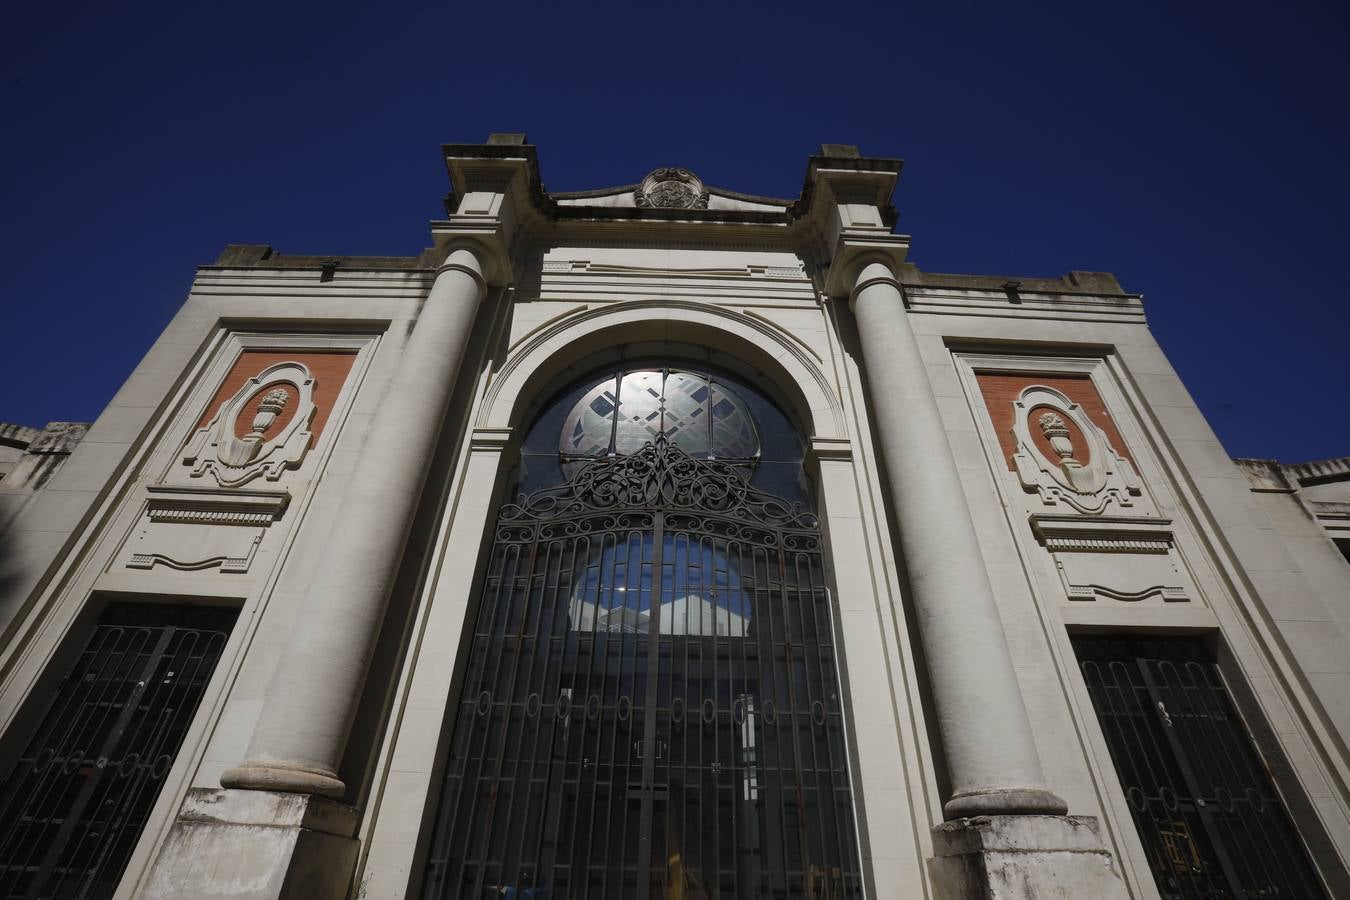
232	480
1073	475
1109	558
266	416
191	530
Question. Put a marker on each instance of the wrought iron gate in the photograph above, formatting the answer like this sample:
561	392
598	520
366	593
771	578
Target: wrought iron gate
74	803
651	706
1207	813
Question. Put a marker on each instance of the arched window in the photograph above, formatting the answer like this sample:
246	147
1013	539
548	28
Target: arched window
651	706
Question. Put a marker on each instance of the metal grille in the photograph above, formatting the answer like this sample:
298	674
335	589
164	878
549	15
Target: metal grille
651	706
73	805
1207	813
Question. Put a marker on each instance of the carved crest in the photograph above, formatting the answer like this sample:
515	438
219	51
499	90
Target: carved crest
1074	463
235	448
671	188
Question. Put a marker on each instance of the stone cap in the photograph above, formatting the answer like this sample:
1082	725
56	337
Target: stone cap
840	151
1023	833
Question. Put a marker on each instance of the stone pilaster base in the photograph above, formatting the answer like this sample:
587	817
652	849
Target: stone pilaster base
1007	857
256	845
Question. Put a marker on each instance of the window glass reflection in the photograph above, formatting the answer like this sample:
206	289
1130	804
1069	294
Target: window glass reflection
707	413
701	588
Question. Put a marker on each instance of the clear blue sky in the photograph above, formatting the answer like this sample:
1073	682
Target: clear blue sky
1199	151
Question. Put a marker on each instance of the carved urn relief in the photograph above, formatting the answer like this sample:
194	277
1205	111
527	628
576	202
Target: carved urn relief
1065	458
260	432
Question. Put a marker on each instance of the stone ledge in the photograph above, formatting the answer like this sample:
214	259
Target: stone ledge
271	809
1017	834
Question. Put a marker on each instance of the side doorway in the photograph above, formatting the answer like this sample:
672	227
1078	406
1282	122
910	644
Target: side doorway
1202	799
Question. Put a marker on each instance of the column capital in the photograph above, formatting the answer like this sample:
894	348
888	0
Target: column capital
855	250
484	236
491	196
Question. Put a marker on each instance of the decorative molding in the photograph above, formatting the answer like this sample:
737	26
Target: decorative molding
235	507
1102	534
1333	516
750	270
1113	557
570	311
1091	484
755	314
190	529
493	410
210	517
1331	508
234	461
671	188
488	439
1105	545
831	450
230	565
1092	591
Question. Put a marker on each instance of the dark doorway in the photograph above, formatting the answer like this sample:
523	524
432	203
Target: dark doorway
74	802
1202	800
651	707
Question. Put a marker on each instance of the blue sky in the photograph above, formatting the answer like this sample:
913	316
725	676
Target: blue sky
1196	150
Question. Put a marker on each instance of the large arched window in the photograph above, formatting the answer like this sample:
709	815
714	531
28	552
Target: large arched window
651	707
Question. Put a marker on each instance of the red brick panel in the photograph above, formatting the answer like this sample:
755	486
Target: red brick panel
1001	391
328	367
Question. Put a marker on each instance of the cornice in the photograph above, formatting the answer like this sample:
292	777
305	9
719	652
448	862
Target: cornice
1319	471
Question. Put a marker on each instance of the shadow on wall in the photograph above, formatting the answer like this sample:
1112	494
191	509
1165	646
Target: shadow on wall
9	565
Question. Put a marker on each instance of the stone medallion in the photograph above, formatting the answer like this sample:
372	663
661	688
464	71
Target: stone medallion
671	188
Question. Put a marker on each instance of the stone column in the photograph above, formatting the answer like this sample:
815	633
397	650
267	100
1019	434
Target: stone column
986	736
304	725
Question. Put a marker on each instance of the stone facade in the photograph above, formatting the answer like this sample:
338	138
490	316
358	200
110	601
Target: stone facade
1000	468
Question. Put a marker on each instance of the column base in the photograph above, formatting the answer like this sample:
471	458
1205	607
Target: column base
1015	857
1005	802
256	845
262	777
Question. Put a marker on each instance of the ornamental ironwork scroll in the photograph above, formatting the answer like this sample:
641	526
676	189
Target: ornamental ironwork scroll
661	474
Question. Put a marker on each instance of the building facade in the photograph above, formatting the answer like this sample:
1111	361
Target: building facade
665	541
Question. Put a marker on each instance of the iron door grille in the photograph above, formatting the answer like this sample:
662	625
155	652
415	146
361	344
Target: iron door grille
1205	807
651	706
73	805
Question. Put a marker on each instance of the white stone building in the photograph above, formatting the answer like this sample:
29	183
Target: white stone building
664	541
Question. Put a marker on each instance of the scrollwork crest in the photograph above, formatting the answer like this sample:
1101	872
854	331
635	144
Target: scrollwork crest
671	188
